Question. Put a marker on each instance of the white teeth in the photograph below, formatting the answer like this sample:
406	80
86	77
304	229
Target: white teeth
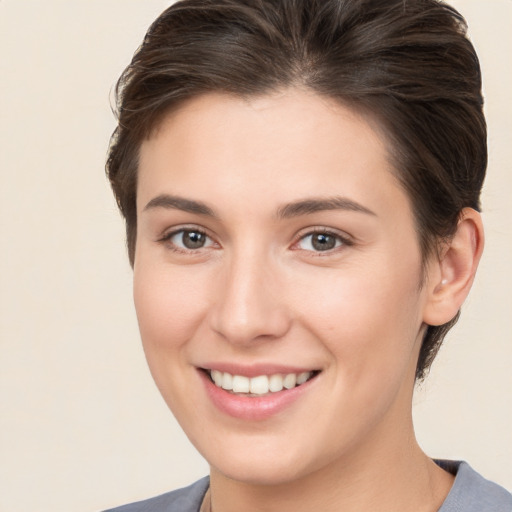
227	381
290	380
241	384
260	385
217	377
275	383
303	377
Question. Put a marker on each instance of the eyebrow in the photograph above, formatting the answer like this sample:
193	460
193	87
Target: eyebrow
295	209
313	205
179	203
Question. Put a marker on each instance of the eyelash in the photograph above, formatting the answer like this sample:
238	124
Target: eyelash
167	239
340	241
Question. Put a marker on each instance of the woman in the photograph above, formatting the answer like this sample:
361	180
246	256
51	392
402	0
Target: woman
300	182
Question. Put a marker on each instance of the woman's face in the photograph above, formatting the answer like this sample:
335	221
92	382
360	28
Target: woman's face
275	244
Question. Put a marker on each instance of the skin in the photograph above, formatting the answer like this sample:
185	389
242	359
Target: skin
259	292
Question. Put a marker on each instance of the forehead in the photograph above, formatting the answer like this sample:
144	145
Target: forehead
289	144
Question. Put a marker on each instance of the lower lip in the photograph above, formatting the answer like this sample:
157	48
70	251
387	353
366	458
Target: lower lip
253	408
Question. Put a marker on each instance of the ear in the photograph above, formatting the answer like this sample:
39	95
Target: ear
451	274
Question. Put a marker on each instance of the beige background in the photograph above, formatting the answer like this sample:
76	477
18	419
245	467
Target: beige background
82	426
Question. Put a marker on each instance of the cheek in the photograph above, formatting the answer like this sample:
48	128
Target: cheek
368	317
169	306
370	328
169	310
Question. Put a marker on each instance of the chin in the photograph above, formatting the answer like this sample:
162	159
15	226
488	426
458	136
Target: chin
268	474
265	465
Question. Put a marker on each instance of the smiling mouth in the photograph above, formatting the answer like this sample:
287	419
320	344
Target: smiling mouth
260	385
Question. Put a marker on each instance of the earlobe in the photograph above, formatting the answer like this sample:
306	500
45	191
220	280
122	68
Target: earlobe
452	274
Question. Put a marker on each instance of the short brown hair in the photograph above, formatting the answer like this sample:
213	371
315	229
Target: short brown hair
406	63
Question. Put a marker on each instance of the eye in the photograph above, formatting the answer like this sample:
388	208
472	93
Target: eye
321	241
188	239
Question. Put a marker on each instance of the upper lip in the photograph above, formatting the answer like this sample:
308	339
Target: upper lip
254	370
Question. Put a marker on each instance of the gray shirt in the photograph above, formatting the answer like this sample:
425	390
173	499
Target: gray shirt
470	493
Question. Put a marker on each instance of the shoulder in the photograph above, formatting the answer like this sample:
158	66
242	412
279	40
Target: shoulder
471	492
188	499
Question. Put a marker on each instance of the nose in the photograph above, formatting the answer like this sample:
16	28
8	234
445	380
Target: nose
250	303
